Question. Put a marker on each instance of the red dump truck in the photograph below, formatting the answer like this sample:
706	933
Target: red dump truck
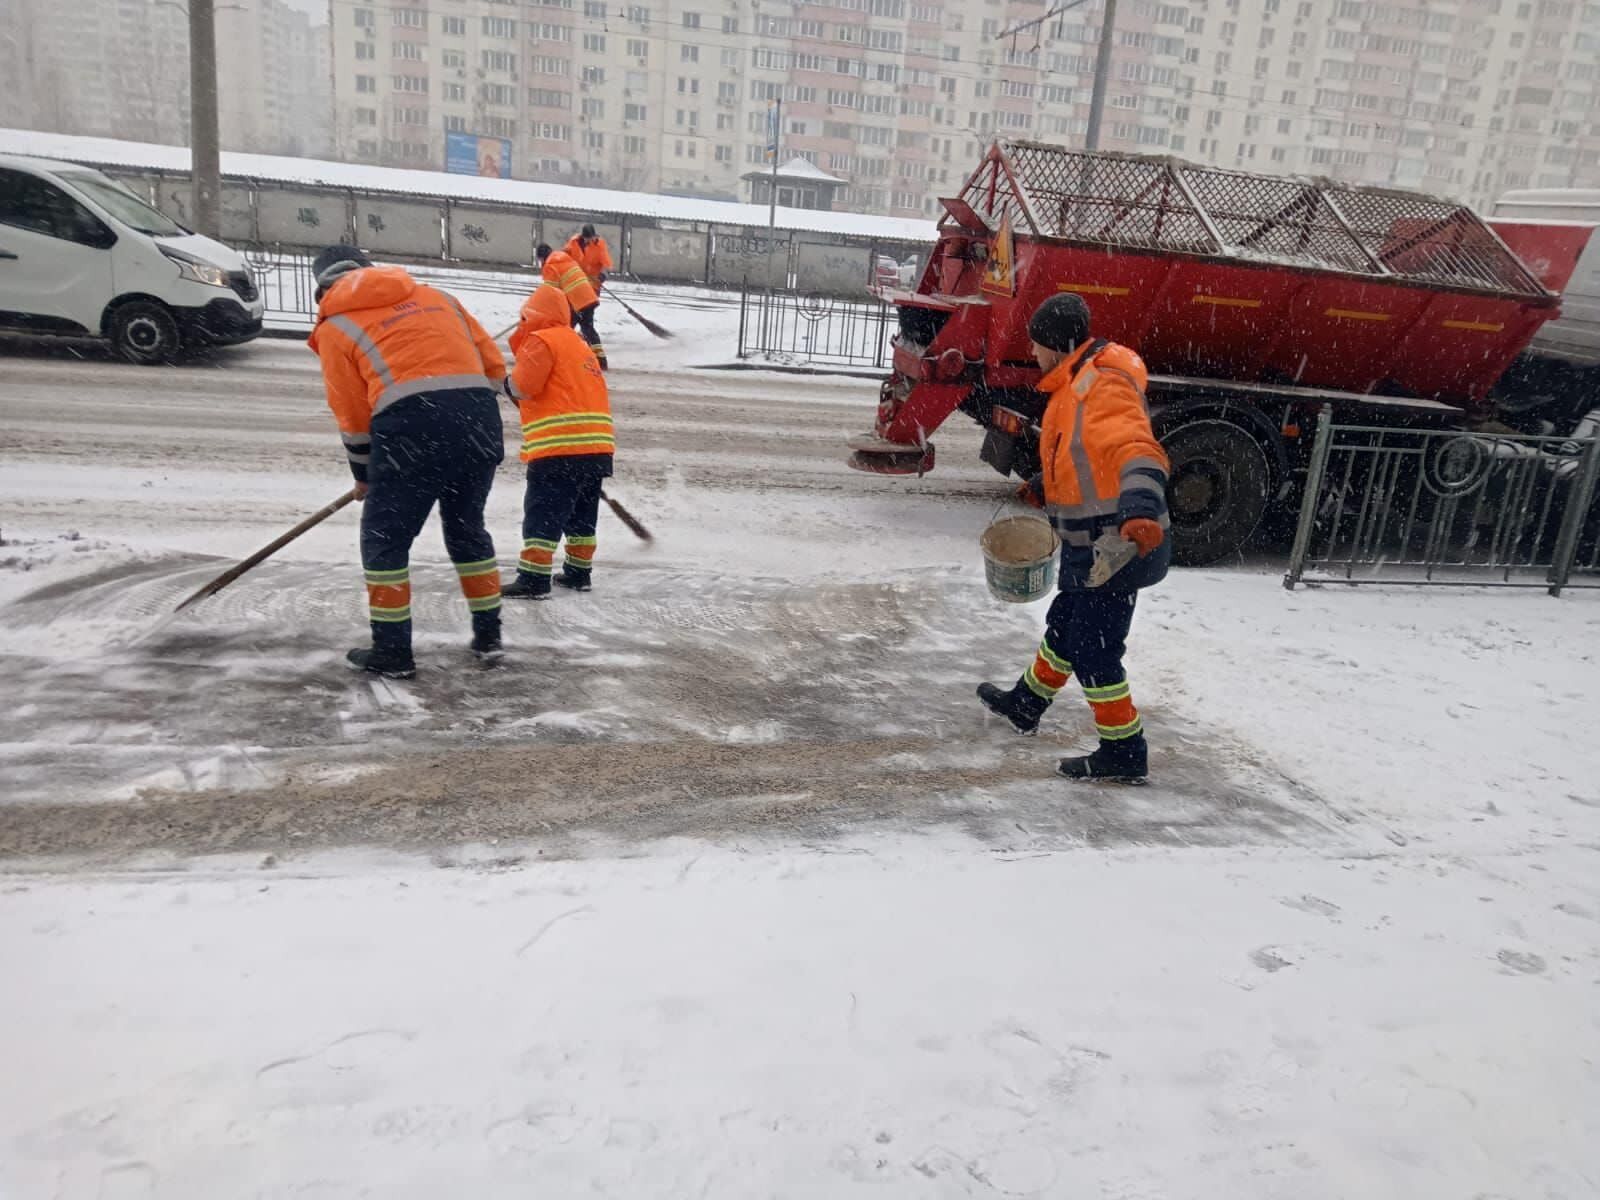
1254	300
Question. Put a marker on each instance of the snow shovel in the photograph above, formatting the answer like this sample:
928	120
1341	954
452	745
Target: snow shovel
1112	552
661	331
267	551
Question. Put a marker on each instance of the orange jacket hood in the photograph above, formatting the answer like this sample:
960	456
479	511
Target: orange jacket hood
369	287
547	308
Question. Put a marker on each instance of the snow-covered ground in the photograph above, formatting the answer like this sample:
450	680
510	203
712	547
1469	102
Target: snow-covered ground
723	886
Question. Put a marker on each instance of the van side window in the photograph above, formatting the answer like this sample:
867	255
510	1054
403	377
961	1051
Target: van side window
28	202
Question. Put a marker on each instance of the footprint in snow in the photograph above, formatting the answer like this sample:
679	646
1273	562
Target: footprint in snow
1521	963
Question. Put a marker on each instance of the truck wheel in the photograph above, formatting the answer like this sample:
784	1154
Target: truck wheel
1217	490
145	333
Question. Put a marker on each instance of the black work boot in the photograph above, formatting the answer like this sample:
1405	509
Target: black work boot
391	664
486	640
577	581
1018	705
526	586
1124	761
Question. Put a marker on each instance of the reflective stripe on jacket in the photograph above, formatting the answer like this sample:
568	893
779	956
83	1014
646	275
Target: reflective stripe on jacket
382	336
558	384
595	258
1102	464
563	270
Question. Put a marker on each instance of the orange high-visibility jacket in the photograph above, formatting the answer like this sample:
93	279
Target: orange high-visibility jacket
563	270
1102	462
595	258
382	336
557	383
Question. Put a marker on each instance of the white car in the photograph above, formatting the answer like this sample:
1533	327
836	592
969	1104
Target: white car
83	256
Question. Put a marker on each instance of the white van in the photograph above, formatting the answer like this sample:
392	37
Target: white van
83	256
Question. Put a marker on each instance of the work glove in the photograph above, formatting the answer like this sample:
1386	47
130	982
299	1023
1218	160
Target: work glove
1143	533
1030	495
361	491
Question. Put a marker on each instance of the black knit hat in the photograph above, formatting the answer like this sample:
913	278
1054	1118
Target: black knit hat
588	232
1061	322
334	261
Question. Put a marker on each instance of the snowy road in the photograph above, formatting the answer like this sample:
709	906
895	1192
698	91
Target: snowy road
722	886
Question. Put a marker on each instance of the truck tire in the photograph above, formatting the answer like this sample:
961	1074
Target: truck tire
1217	490
145	332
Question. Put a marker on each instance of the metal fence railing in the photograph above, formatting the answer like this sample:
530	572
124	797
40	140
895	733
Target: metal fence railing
815	330
286	287
1448	507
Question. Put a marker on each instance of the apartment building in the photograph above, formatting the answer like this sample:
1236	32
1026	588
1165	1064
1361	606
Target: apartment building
120	68
897	97
275	77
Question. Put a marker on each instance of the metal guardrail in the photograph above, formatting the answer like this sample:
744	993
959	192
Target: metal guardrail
1445	507
815	330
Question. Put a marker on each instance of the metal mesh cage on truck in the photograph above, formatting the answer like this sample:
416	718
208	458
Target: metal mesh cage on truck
1162	204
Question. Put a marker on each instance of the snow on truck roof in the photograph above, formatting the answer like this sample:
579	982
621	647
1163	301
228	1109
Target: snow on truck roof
1168	205
436	185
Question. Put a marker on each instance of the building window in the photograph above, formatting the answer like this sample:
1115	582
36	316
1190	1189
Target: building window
455	91
594	74
594	108
691	20
455	124
498	60
595	10
366	50
634	112
499	27
453	58
365	18
633	145
550	98
730	24
497	93
411	18
593	140
638	48
366	116
408	50
595	43
366	83
689	54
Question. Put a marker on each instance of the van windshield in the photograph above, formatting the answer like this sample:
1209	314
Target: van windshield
124	205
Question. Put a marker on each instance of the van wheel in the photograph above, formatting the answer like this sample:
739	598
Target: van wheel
1217	490
144	332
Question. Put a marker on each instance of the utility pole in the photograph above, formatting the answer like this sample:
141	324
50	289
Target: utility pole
205	154
1102	62
1102	72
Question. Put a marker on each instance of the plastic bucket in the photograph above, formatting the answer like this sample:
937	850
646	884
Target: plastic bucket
1019	558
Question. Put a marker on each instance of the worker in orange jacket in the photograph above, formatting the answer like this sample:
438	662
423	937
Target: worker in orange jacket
412	380
588	249
561	269
567	442
1103	469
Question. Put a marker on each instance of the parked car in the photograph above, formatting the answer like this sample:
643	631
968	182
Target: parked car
81	255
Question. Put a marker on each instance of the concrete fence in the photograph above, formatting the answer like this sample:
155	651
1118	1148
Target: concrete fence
301	217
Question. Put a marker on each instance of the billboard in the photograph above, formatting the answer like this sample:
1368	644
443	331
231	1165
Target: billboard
475	154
